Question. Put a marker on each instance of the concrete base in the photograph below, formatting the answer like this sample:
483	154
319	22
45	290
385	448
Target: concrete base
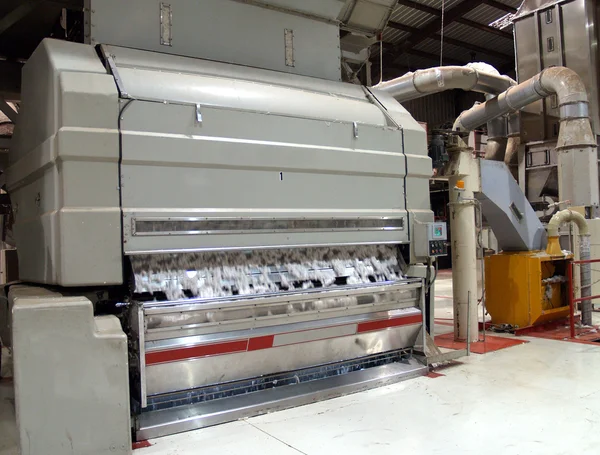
70	374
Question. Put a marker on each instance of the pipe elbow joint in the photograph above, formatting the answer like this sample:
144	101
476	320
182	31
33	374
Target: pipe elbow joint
566	83
565	216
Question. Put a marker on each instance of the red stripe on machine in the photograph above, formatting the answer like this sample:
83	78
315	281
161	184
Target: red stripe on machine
204	350
387	323
268	341
257	343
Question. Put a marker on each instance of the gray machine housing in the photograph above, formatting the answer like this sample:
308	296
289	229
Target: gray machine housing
139	150
100	149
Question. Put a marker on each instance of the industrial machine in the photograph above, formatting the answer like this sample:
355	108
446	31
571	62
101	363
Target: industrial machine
207	240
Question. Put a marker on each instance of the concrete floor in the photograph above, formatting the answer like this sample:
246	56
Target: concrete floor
542	397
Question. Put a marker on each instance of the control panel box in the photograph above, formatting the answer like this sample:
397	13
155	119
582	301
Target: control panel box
431	239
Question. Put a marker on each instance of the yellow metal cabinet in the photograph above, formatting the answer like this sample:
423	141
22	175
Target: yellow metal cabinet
526	288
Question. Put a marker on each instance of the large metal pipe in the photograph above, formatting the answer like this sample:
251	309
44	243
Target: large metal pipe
495	149
463	181
511	157
576	144
585	274
435	80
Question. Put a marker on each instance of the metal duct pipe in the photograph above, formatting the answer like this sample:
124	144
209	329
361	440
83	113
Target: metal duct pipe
576	142
553	248
435	80
495	149
511	157
567	85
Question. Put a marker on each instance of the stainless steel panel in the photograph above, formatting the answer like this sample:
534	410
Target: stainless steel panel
407	308
188	374
227	314
571	26
160	423
181	320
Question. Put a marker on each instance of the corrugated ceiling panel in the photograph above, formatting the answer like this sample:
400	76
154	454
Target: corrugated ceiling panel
480	38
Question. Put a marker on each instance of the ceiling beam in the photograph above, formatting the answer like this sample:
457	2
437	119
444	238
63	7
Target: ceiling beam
501	6
5	143
454	42
436	12
415	52
435	26
475	48
10	80
8	110
17	13
420	7
435	58
485	28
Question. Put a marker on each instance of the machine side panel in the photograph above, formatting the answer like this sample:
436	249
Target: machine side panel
71	376
268	167
283	42
64	186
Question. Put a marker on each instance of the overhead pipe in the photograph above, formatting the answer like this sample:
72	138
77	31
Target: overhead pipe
434	80
553	248
576	142
511	157
495	149
475	77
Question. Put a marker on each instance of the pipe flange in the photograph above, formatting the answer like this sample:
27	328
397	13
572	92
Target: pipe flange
507	98
574	110
538	87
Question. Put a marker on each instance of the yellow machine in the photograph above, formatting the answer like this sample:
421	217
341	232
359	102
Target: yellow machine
526	288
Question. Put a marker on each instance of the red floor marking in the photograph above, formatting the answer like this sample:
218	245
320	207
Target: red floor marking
433	375
442	322
491	343
6	380
437	296
141	445
563	333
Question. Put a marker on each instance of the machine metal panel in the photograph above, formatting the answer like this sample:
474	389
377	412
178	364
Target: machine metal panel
210	91
63	177
571	25
506	209
124	57
187	374
68	364
196	33
270	166
185	418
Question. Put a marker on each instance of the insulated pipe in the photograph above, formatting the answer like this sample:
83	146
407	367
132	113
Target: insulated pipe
495	149
511	157
435	80
567	85
576	143
553	248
